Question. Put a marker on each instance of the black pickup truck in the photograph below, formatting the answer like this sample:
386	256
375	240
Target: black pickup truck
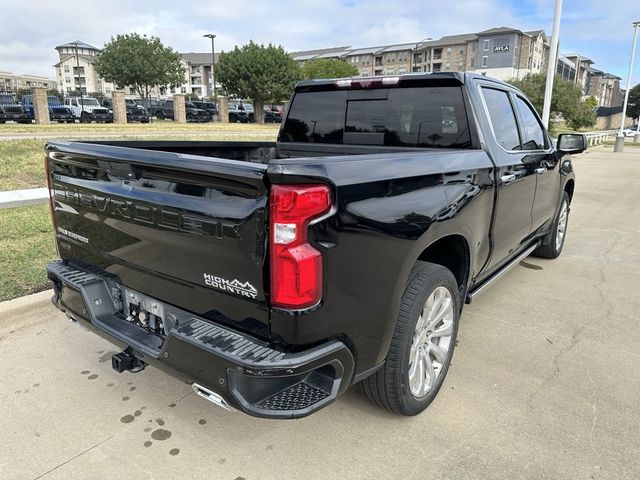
272	276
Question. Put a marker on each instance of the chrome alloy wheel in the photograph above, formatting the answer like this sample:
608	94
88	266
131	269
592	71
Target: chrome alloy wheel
562	225
431	342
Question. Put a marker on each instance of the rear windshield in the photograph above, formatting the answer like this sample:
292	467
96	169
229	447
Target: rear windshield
407	117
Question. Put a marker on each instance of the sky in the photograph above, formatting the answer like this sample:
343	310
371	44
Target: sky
31	29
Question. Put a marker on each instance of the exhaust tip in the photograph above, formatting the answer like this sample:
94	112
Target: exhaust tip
212	397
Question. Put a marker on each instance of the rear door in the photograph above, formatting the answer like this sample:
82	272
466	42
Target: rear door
184	229
541	155
515	177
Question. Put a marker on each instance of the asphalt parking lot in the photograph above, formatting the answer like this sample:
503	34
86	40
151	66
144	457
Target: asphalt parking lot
544	383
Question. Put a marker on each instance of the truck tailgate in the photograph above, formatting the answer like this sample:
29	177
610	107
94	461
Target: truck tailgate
184	229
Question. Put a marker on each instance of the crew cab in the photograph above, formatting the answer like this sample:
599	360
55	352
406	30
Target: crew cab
274	276
11	110
57	111
193	113
88	109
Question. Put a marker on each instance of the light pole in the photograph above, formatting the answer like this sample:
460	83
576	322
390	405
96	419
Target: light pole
415	51
79	84
619	146
213	62
551	68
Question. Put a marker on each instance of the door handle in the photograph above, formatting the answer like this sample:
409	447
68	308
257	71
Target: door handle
541	170
507	179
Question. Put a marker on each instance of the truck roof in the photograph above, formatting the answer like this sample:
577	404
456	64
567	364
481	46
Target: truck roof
389	80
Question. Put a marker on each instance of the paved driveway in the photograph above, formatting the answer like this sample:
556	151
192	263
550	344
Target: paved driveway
545	383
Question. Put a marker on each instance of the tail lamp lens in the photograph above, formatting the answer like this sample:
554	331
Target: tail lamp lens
296	266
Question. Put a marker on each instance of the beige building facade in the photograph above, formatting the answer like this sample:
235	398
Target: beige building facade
10	82
502	53
76	70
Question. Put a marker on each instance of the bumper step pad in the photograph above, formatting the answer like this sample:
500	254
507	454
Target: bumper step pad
298	397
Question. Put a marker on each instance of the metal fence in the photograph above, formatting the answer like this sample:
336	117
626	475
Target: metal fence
601	136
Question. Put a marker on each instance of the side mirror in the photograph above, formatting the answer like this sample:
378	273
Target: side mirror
572	143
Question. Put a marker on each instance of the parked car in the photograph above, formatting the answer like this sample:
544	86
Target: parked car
272	116
11	110
208	107
631	131
135	112
193	114
343	253
151	105
57	111
237	114
88	109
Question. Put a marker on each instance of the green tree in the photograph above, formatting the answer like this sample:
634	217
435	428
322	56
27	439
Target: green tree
566	99
328	68
259	73
140	62
633	107
591	102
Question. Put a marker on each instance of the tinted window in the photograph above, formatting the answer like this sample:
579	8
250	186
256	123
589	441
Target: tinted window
409	117
532	133
503	119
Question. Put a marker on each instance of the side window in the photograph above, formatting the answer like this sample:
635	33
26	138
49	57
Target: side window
532	133
502	118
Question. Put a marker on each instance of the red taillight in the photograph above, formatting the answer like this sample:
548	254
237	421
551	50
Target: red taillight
296	266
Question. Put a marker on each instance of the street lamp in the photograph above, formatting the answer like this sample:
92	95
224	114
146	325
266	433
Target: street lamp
415	51
619	145
553	62
213	62
79	83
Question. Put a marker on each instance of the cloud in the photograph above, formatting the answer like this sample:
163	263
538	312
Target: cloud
27	42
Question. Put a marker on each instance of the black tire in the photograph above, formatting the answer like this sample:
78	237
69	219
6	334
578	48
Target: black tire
389	387
160	115
550	247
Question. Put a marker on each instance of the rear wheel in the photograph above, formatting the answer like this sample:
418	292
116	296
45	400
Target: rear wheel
554	241
160	115
422	343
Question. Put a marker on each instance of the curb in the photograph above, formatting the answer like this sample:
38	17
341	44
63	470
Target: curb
21	305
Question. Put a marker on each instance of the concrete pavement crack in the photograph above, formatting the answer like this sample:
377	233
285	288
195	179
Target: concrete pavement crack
74	457
594	409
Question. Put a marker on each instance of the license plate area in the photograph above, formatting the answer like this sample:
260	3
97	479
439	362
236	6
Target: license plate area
146	312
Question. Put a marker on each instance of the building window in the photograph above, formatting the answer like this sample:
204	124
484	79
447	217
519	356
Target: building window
461	51
460	66
67	79
485	61
448	50
448	66
437	53
66	69
473	47
486	45
473	63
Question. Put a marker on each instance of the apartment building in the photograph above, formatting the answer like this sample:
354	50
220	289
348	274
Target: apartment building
501	52
10	82
605	87
76	69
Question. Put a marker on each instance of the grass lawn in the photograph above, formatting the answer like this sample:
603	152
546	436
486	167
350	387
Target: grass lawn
26	246
22	161
26	234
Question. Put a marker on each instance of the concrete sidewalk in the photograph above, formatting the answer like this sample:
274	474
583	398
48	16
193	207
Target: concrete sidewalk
544	383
